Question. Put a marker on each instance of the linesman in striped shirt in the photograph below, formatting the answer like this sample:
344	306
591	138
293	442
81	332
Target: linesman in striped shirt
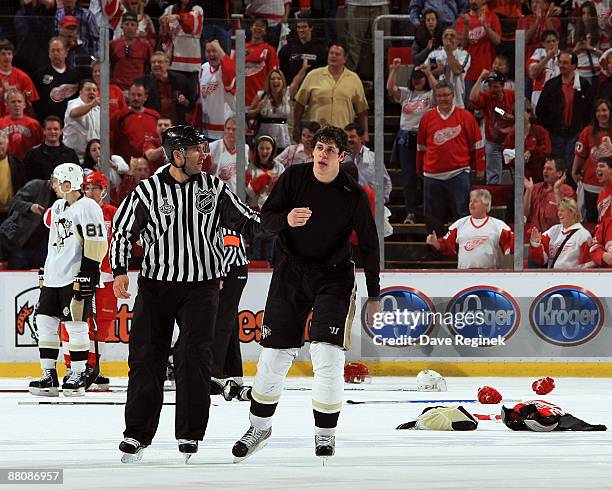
177	214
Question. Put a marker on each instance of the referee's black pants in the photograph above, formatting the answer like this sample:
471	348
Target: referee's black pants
158	304
227	360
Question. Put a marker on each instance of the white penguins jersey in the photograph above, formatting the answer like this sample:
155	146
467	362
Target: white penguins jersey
76	231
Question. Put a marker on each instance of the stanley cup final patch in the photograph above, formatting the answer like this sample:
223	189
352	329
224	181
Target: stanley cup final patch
205	201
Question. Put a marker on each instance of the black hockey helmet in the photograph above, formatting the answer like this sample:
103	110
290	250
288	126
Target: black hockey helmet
180	138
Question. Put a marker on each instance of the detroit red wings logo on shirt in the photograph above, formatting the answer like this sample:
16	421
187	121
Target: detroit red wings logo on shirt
209	89
475	243
446	134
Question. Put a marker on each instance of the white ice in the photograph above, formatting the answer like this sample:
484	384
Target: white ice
370	453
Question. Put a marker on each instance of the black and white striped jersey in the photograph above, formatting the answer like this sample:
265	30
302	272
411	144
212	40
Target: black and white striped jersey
179	226
234	250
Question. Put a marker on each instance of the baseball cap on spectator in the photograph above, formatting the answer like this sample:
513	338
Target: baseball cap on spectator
70	21
496	76
129	16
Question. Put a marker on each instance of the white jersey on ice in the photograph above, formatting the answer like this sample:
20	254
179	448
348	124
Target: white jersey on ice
71	226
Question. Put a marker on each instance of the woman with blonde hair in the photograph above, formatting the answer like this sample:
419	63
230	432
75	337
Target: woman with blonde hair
562	246
271	109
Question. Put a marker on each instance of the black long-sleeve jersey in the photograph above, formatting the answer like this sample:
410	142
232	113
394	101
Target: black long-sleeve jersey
337	208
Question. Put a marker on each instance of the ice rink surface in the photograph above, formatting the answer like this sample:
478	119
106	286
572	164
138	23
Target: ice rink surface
370	453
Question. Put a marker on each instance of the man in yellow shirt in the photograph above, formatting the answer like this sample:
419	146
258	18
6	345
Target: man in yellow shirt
331	95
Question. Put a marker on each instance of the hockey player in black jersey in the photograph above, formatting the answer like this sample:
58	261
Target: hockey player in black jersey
316	206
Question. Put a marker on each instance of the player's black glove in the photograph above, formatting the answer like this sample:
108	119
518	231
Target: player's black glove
41	277
84	284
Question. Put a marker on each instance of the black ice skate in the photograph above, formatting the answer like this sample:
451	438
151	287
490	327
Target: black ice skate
188	447
132	450
325	447
48	385
251	442
75	384
101	382
67	375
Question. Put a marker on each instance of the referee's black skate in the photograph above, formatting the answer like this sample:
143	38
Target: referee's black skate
48	385
75	384
132	450
325	447
187	447
252	441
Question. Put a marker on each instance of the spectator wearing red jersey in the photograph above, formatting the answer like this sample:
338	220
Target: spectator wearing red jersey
477	239
13	78
542	19
604	87
169	92
541	201
543	64
260	59
179	32
152	148
131	127
13	176
562	246
589	147
116	99
130	55
601	250
480	32
449	142
23	132
497	105
604	175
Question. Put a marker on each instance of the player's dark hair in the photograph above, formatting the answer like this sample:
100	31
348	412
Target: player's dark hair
331	134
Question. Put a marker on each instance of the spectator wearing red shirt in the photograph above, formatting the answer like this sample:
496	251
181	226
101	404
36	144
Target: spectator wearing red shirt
481	32
542	200
589	147
604	175
260	59
537	146
541	20
139	170
116	99
131	127
601	250
497	105
24	132
152	148
13	78
129	55
449	142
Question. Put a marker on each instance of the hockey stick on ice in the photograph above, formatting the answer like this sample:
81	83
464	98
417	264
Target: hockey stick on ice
96	368
371	402
83	402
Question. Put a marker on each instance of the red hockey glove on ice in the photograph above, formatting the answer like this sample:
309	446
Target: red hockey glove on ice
543	386
260	182
488	395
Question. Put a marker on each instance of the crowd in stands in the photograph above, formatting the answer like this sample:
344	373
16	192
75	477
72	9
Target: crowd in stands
172	62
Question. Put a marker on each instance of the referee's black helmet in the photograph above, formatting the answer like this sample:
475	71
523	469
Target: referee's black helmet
180	138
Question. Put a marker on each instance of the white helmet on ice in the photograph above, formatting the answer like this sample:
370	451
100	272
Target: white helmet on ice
430	381
69	172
